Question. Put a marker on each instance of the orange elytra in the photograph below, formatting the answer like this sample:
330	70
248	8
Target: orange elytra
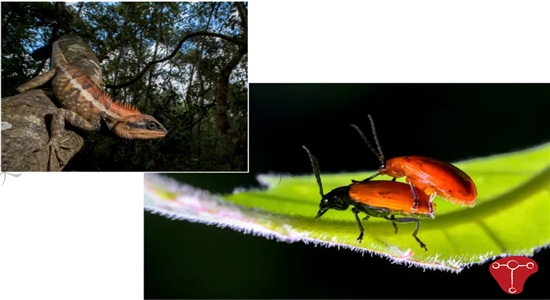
429	175
381	199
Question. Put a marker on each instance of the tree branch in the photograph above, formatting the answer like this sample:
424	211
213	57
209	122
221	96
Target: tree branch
243	13
222	120
185	38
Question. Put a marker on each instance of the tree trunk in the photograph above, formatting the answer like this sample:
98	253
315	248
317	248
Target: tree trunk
25	131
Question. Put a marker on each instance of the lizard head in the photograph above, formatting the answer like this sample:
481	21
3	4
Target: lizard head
137	126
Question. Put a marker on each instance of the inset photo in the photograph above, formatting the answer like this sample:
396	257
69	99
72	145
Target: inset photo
125	86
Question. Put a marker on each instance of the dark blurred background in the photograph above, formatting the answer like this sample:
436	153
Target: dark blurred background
451	122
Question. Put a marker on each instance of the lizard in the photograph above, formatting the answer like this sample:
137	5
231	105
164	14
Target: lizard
78	53
86	106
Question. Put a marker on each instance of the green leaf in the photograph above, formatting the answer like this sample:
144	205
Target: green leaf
511	216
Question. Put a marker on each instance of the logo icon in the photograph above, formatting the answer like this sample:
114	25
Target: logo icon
512	272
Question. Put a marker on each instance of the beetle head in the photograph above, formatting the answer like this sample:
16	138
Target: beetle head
336	199
393	167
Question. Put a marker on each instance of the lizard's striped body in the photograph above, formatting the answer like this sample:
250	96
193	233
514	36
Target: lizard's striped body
85	105
79	94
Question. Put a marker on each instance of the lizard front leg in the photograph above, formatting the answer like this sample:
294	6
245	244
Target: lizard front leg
55	143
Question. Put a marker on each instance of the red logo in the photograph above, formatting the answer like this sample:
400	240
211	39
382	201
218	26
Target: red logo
511	272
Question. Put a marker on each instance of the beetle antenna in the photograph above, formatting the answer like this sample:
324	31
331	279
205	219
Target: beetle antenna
380	156
315	166
376	140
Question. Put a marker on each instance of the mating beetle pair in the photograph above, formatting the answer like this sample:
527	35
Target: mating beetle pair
426	178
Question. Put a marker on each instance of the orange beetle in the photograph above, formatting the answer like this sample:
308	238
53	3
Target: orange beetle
382	199
429	175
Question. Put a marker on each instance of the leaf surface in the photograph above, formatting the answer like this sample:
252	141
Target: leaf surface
511	216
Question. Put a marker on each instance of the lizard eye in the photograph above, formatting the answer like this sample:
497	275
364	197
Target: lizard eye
152	125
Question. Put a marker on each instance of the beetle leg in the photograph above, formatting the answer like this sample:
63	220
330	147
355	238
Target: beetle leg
393	223
415	205
356	213
410	220
365	180
366	217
